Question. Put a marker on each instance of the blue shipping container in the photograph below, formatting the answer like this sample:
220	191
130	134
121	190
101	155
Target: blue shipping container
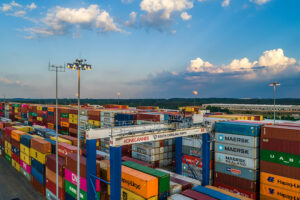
239	128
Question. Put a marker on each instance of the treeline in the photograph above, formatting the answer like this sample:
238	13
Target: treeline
162	103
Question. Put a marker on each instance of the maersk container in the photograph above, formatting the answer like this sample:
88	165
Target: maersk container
238	128
240	172
163	178
234	139
237	150
237	161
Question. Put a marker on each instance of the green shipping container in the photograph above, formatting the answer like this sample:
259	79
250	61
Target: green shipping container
280	158
34	114
64	115
163	178
30	113
7	157
71	189
64	132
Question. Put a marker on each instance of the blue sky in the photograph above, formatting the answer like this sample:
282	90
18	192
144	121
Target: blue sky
151	48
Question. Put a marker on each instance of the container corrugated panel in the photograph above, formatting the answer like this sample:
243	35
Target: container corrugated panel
241	140
237	161
213	193
240	172
264	197
196	195
38	166
280	181
72	190
281	132
38	176
280	170
241	192
280	145
237	150
251	186
128	195
163	178
278	193
178	197
239	128
280	158
227	192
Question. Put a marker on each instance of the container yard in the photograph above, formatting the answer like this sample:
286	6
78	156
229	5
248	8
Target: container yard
139	153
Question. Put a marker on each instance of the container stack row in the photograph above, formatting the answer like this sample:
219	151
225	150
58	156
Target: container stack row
237	157
280	162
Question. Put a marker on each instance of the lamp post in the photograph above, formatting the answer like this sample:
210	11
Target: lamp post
195	93
78	65
118	94
56	69
274	85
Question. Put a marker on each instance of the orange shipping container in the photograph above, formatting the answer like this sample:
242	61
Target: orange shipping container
280	181
16	134
64	124
278	193
137	182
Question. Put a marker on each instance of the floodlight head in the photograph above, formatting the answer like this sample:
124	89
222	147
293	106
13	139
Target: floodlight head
274	84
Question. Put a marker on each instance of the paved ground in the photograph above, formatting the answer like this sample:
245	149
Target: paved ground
14	186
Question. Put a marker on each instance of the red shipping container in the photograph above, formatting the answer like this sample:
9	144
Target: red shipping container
184	184
280	170
72	139
40	145
71	164
244	193
39	187
281	132
65	150
51	164
280	145
236	182
196	195
15	157
52	187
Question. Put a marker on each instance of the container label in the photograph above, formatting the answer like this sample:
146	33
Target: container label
241	172
241	140
280	181
280	157
236	150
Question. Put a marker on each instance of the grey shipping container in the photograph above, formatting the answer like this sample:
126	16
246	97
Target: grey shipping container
240	172
237	161
237	150
242	140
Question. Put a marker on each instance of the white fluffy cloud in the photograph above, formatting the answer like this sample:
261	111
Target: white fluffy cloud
260	2
132	21
159	13
60	20
270	62
32	6
9	6
185	16
225	3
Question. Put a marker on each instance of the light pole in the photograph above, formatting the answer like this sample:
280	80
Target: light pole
274	85
195	93
56	69
79	65
118	94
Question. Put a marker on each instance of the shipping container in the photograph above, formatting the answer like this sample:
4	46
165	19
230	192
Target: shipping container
281	132
227	192
128	195
278	193
240	172
280	158
237	161
248	129
213	193
72	190
280	170
244	184
41	145
237	150
196	195
247	141
178	197
281	145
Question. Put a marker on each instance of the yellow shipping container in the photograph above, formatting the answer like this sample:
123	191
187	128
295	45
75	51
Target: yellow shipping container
280	181
128	195
73	121
24	149
41	157
97	123
7	144
91	122
39	108
36	136
73	116
15	165
25	158
8	151
278	193
61	140
39	118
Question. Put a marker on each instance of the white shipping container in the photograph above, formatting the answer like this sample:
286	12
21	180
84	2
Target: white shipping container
175	188
237	161
178	197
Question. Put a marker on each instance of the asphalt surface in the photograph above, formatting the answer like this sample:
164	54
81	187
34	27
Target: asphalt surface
14	186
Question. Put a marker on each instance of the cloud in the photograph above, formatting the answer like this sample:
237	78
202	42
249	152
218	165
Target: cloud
185	16
260	2
270	63
32	6
132	21
8	7
225	3
7	81
160	13
19	13
59	21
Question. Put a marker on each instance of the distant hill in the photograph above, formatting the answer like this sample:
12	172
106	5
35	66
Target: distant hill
162	103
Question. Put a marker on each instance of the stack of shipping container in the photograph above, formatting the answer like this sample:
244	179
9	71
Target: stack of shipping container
280	162
25	159
237	157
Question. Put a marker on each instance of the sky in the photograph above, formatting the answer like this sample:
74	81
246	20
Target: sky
151	48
